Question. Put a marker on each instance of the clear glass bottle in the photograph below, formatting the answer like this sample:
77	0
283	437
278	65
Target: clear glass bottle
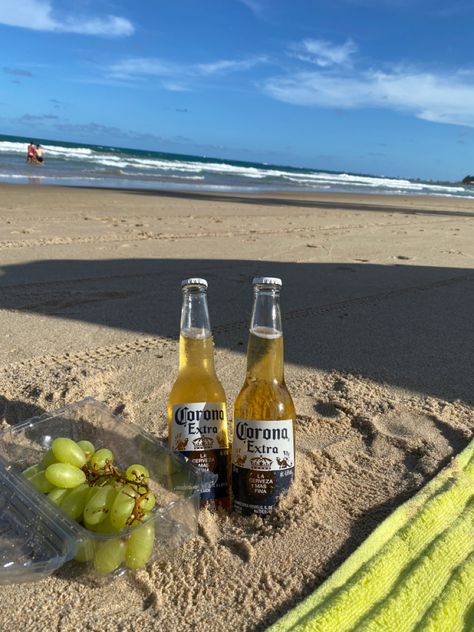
263	453
197	417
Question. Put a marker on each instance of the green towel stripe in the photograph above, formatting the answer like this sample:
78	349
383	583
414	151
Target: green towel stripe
455	602
426	579
370	573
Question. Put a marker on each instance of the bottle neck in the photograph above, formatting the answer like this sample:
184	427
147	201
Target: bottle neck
265	348
196	355
196	348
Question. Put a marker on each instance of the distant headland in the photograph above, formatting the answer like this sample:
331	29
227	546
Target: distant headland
468	180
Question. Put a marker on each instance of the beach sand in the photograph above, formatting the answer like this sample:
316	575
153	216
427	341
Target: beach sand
377	298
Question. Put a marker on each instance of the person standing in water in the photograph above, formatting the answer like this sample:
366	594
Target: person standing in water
31	152
39	154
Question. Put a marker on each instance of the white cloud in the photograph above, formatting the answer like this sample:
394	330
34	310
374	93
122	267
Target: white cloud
140	68
38	15
110	26
175	86
254	6
433	97
137	67
226	66
325	54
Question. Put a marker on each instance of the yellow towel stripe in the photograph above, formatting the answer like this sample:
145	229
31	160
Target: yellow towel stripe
391	580
375	579
456	604
426	580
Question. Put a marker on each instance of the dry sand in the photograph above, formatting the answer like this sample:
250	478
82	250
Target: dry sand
378	303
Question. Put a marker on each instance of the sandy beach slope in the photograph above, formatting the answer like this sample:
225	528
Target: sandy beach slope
378	297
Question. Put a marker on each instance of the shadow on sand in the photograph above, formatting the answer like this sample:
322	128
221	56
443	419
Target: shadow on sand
409	326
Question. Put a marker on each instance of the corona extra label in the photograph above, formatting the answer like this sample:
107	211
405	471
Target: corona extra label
199	431
262	464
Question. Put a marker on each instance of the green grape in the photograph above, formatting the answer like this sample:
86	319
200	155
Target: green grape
99	505
42	482
49	458
32	470
74	500
103	527
64	475
118	485
99	459
90	493
122	508
137	473
91	527
147	502
67	451
57	494
85	551
140	546
87	447
109	555
145	516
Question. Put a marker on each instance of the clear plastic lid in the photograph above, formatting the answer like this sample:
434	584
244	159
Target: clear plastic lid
37	537
33	542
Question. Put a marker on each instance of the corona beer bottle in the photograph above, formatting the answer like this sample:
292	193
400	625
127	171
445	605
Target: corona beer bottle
263	454
197	418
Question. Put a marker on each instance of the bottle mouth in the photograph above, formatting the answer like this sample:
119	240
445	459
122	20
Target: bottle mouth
267	280
194	281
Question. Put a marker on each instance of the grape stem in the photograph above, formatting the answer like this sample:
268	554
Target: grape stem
109	473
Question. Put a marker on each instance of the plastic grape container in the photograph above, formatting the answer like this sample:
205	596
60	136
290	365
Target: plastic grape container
37	537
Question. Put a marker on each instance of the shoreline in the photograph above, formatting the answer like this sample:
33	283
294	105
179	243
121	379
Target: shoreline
355	201
377	304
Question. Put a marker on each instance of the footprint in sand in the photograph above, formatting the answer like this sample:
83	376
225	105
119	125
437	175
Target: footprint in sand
412	427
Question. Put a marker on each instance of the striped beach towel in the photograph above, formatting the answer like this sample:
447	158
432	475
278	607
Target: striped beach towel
415	572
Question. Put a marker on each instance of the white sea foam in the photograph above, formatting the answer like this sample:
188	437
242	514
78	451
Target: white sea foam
35	177
54	150
371	182
213	175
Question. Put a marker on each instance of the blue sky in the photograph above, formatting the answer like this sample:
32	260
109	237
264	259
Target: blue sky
367	86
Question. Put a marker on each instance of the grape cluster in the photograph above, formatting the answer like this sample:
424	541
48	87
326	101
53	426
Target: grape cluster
87	485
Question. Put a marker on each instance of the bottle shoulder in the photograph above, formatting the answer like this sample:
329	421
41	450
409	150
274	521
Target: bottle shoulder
264	400
188	388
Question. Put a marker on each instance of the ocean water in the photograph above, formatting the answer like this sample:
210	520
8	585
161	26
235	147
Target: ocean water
74	164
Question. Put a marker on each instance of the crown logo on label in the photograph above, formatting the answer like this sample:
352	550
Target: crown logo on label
261	463
203	443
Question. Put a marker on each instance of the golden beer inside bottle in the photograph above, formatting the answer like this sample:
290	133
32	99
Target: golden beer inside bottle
264	394
196	381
